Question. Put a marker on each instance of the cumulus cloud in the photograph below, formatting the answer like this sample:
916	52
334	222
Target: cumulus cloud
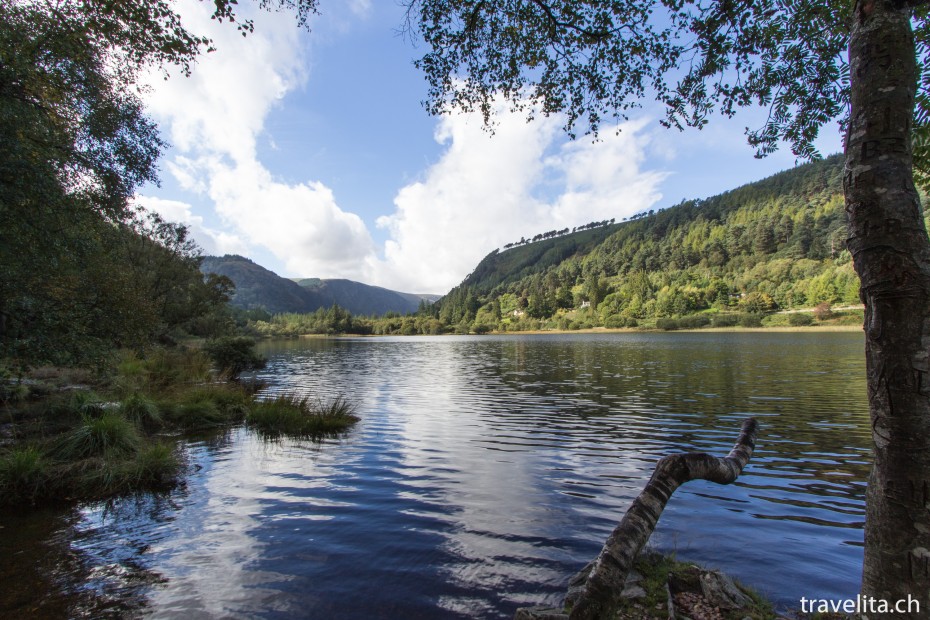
214	119
212	241
488	190
484	190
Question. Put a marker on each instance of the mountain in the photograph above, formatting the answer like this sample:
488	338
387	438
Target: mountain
257	287
775	244
364	299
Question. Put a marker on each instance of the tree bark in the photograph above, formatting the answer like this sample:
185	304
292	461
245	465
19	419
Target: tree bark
601	582
891	253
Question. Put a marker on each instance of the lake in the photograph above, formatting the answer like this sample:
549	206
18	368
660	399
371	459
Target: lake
484	472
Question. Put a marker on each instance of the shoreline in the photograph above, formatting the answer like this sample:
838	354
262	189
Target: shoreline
599	330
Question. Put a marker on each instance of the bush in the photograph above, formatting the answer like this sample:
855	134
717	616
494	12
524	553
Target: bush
823	311
234	355
694	321
667	324
799	319
725	320
750	320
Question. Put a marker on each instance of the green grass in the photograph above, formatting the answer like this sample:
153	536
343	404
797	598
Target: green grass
206	406
141	411
110	434
296	416
657	570
24	475
155	466
86	403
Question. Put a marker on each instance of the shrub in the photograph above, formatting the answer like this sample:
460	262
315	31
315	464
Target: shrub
296	416
234	355
823	311
799	319
667	324
750	320
725	320
694	321
176	366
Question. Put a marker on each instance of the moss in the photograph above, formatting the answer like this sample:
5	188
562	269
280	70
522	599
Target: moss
659	570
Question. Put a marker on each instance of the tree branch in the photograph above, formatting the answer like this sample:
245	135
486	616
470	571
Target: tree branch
595	592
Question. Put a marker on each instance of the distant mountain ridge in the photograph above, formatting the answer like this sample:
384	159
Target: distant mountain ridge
258	287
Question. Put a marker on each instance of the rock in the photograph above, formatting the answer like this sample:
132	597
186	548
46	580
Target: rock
633	591
576	585
720	591
540	613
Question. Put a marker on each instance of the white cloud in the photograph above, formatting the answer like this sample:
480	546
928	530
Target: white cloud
484	191
488	190
214	119
212	241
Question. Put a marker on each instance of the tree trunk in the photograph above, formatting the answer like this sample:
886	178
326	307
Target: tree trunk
891	253
595	593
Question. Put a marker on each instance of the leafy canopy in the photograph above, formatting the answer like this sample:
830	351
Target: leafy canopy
79	270
594	60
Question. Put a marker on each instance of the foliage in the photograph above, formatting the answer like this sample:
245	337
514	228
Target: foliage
234	355
141	411
110	433
297	416
23	475
699	256
81	271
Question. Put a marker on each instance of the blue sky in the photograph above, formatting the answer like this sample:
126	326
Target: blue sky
311	154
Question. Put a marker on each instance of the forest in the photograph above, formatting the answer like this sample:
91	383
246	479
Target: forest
733	259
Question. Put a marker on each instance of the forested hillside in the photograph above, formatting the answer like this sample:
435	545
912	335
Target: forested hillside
364	299
775	244
258	288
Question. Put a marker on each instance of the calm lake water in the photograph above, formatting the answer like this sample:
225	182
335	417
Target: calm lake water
485	471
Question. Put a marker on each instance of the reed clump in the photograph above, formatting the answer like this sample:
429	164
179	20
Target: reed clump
298	416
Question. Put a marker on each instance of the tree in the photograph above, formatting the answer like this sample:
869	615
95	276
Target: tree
76	146
809	63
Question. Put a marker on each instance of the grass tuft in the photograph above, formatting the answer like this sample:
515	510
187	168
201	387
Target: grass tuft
296	416
141	411
154	467
23	475
110	434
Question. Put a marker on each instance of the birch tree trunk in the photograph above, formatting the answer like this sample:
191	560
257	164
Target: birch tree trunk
598	595
891	253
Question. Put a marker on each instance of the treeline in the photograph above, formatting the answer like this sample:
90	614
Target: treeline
558	233
777	244
83	272
337	320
